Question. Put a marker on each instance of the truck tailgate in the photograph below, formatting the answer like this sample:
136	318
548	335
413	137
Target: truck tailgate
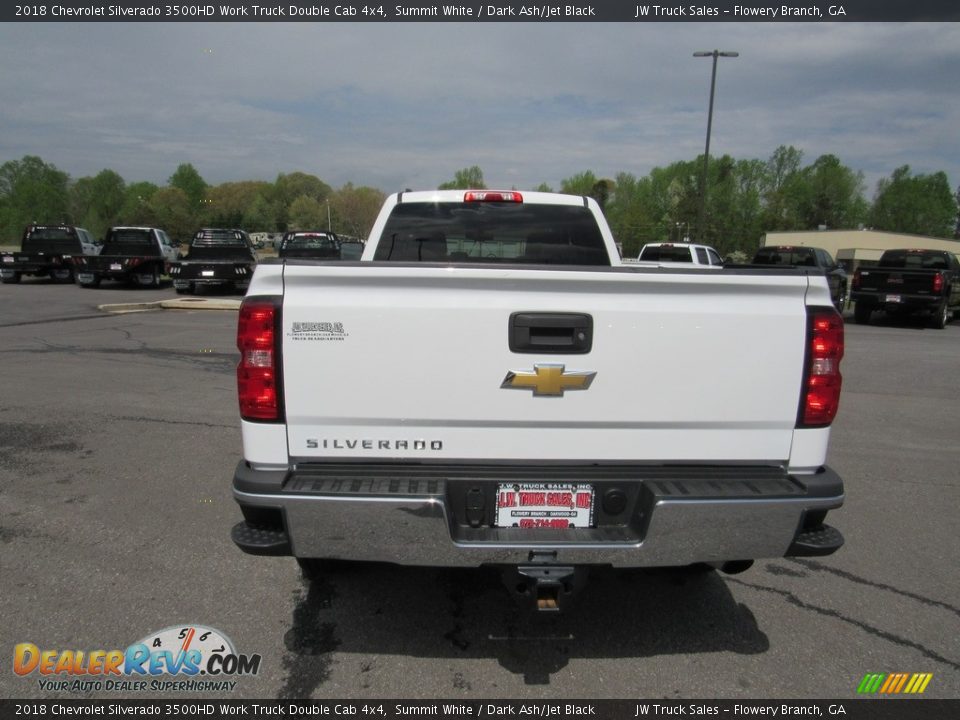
408	362
907	282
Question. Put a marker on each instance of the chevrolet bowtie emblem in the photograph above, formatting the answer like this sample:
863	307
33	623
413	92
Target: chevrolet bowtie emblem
548	380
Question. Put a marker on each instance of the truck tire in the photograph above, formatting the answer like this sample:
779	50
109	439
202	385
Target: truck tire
941	316
95	283
10	279
861	313
151	280
62	275
841	303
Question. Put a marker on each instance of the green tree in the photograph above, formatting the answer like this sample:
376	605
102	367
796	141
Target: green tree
580	184
31	191
956	231
748	223
187	179
470	178
355	209
229	203
625	212
259	216
96	203
307	214
832	195
172	210
290	187
921	204
137	209
586	183
779	189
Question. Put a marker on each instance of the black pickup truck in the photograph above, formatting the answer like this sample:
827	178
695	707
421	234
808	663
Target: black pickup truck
908	281
217	257
136	255
47	251
808	257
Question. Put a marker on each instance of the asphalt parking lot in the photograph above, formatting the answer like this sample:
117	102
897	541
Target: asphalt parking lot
118	438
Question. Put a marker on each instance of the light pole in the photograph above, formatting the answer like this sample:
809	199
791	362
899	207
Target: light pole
328	216
706	153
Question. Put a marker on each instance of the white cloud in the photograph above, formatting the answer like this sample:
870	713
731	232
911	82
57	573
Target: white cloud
407	104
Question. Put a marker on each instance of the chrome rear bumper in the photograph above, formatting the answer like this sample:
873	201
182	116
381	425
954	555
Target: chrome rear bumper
415	515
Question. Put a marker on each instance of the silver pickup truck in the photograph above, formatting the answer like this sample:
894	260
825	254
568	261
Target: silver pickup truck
488	385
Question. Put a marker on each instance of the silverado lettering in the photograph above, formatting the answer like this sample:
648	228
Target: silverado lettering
409	432
326	444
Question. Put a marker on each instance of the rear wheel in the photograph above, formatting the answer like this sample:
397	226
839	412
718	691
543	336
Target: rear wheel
62	275
10	279
861	313
94	283
149	280
841	303
941	316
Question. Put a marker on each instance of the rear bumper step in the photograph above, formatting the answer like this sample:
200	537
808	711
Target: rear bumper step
823	540
258	540
423	515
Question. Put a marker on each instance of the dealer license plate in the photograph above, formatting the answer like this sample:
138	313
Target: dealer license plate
893	298
545	505
206	273
116	266
8	258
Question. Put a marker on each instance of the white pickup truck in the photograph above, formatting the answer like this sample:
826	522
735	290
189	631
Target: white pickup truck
489	385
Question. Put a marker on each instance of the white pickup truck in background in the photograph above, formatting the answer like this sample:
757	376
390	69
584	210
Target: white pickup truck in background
690	254
489	385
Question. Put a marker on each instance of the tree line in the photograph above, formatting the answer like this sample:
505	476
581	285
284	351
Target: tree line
32	190
745	200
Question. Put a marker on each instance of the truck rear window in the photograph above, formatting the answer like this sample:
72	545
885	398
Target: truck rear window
779	256
905	259
492	232
129	241
219	238
667	253
311	241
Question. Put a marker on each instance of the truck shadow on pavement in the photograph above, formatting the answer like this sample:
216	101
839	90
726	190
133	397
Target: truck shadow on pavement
469	614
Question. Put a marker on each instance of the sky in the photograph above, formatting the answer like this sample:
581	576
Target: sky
405	105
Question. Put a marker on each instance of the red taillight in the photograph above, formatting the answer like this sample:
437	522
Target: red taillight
492	196
938	283
258	373
856	279
822	379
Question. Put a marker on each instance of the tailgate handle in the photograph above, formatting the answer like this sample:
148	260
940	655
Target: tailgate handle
566	333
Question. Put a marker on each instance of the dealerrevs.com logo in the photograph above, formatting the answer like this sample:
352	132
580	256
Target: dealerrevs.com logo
180	658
